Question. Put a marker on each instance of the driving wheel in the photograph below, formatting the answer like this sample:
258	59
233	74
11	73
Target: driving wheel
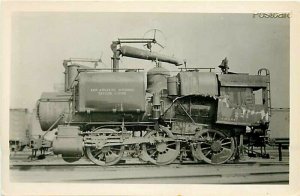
163	151
214	146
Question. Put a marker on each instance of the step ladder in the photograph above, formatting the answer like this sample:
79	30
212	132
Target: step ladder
266	72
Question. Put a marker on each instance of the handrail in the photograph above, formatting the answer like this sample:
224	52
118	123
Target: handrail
104	69
196	68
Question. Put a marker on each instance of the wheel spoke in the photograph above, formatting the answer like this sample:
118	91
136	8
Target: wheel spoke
101	156
98	153
204	144
214	135
152	148
207	153
226	143
153	153
171	144
224	139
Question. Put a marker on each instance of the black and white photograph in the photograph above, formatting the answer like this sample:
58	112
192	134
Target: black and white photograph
167	98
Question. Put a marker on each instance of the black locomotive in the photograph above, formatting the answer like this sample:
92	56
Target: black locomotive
197	113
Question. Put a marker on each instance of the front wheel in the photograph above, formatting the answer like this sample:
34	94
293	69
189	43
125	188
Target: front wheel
107	155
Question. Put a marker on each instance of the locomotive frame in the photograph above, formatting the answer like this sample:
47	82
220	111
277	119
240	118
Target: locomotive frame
200	115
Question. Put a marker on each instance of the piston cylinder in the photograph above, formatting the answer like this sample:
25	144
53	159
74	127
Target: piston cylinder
68	143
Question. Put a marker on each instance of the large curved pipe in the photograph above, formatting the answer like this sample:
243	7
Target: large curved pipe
133	52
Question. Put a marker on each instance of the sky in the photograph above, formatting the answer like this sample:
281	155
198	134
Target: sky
42	40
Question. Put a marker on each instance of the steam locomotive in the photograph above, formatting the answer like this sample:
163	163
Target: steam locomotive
104	113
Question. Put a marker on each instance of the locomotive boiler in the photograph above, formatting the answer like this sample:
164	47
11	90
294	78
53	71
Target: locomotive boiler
105	113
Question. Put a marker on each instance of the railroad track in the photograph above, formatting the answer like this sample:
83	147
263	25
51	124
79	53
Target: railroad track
242	173
248	171
125	165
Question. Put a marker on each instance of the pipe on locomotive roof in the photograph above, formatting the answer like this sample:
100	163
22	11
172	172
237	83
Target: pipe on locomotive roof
116	56
133	52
